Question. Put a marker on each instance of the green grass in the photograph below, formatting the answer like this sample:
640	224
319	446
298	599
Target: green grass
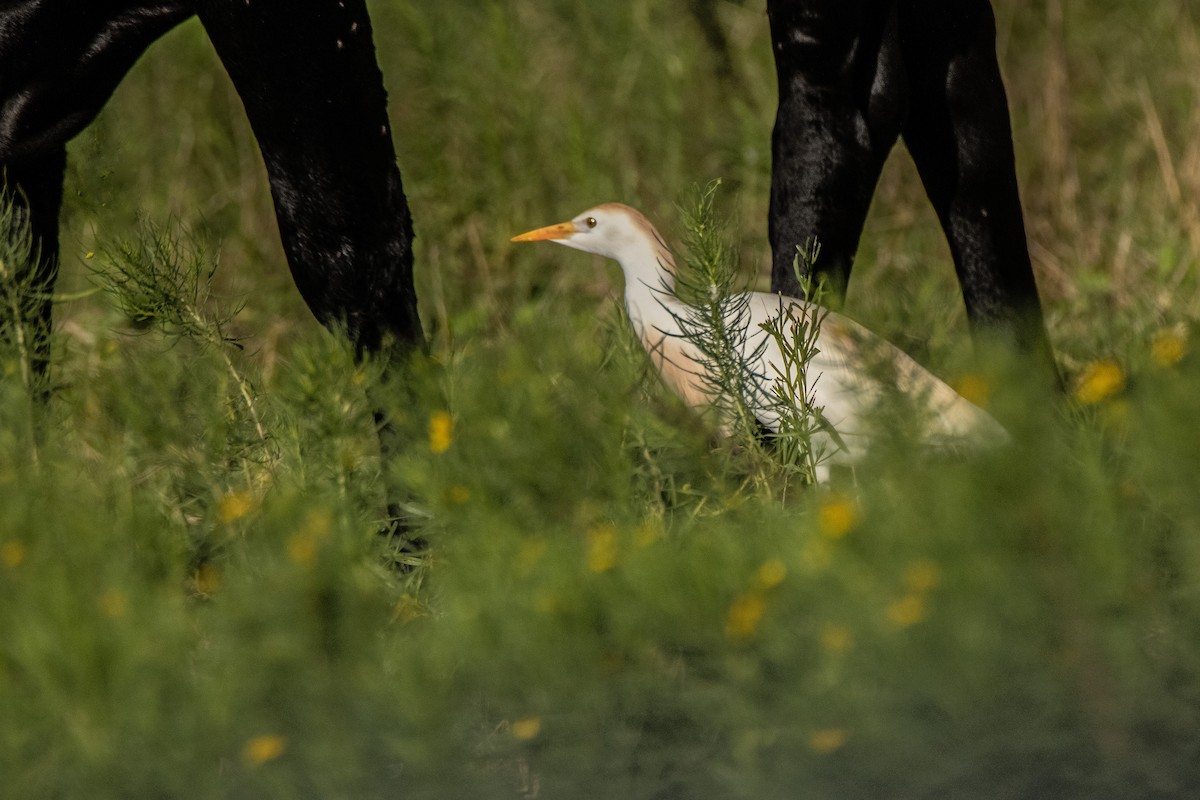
614	605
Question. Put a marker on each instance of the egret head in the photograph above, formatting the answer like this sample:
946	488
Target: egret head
612	230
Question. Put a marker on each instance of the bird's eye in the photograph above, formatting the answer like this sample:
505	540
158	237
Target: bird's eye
591	222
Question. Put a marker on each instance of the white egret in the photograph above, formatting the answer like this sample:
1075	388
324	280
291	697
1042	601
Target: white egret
854	369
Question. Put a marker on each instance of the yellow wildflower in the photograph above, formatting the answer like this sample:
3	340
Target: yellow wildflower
441	431
648	533
601	548
908	610
458	494
974	388
1099	381
827	740
302	549
527	728
836	639
234	505
1168	347
261	749
206	580
837	516
744	615
922	576
770	574
747	609
12	554
302	545
113	603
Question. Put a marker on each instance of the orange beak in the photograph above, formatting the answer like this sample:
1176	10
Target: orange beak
560	231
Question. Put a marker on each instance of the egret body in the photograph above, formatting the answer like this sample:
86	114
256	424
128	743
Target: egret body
852	371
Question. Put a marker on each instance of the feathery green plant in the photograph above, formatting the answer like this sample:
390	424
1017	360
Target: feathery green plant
24	336
163	278
716	317
796	329
715	321
18	293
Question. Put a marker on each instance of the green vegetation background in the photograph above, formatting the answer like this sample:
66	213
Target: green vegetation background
614	606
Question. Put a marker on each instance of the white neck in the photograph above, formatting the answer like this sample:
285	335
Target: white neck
649	279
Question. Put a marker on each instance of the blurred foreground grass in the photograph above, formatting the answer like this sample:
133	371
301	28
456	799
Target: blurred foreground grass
612	609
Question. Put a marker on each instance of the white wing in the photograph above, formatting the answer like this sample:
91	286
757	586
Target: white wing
852	376
855	372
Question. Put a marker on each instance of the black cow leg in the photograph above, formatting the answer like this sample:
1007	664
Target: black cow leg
841	101
59	62
959	134
307	75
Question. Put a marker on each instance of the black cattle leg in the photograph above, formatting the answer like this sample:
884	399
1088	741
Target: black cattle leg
307	75
841	100
960	137
59	62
